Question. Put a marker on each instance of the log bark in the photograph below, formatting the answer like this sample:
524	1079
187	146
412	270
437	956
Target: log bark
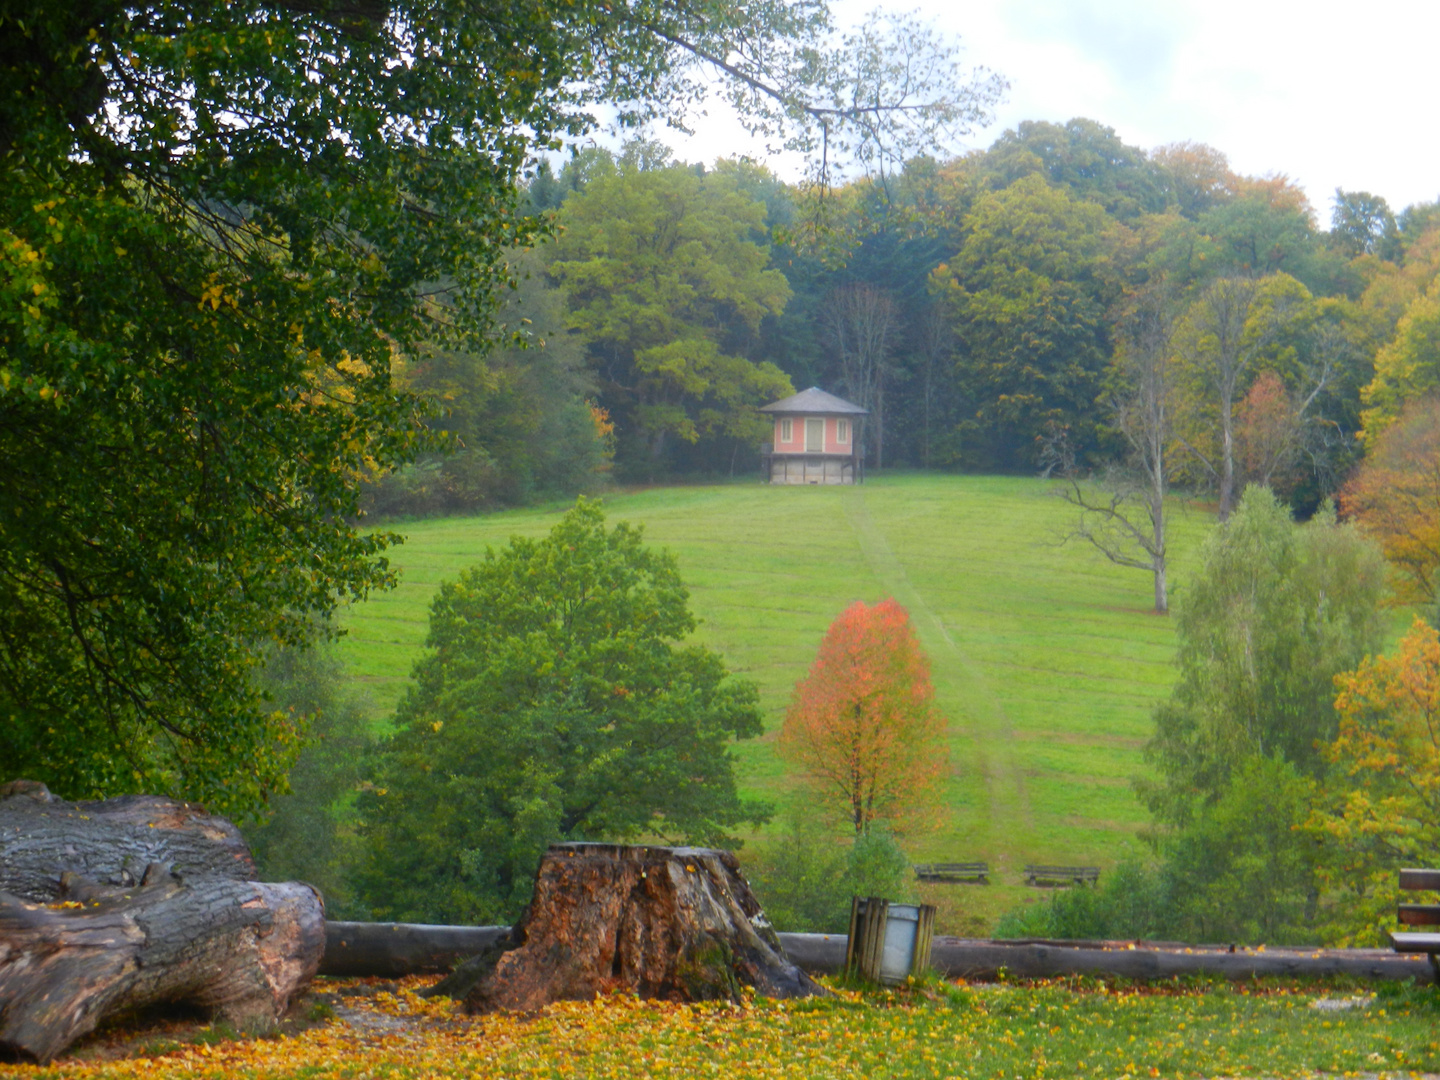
964	958
74	949
110	842
394	949
678	924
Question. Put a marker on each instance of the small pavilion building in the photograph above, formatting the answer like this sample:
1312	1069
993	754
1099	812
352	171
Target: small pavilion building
817	440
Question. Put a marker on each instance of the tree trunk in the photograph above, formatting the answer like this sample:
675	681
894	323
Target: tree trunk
393	950
679	924
74	950
110	842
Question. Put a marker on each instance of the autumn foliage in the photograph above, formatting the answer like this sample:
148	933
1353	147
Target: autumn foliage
1395	495
1386	811
863	728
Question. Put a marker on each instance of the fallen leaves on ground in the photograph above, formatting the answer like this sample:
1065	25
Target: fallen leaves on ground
938	1030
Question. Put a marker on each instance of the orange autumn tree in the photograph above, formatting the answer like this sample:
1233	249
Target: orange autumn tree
863	729
1395	496
1383	810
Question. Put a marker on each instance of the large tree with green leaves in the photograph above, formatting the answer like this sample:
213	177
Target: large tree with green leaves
1275	612
668	277
557	703
1027	295
222	221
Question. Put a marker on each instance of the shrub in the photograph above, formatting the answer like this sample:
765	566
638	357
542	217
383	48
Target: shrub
805	877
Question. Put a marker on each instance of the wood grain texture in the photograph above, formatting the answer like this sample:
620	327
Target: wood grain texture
110	842
88	930
678	924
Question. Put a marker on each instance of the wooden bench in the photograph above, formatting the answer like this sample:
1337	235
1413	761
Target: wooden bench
1419	915
954	873
1062	875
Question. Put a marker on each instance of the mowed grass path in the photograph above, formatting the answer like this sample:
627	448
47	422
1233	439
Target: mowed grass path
1046	658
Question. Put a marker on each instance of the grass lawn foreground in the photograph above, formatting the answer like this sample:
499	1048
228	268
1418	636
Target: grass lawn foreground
1000	1031
1046	658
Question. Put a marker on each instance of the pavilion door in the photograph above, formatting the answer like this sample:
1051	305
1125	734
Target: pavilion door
814	436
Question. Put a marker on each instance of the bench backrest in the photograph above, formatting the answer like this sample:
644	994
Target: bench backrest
1419	914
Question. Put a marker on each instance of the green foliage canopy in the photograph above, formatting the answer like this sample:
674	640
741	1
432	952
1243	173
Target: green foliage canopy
1276	611
1028	293
667	274
219	219
557	704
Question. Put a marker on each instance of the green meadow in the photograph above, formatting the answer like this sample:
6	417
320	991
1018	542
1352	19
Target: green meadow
1046	658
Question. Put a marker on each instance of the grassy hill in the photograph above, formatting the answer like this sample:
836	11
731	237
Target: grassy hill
1046	658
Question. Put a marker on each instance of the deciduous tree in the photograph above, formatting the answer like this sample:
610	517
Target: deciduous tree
1235	329
557	703
1275	612
1362	224
1123	508
863	729
667	278
1027	295
860	324
1408	367
1383	809
1395	497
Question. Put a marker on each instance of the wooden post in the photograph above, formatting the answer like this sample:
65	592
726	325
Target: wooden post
924	934
865	946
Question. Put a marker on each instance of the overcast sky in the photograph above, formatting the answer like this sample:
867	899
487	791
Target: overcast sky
1330	95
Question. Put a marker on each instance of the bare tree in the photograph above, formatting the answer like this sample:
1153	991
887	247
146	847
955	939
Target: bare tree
1122	509
1226	335
1219	358
859	321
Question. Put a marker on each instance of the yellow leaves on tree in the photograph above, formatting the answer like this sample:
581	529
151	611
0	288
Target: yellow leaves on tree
1385	812
1395	495
863	729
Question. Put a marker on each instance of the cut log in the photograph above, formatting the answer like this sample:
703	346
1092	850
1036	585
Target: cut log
111	842
966	958
394	950
678	924
74	950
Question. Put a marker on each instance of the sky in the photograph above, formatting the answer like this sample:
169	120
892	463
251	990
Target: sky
1330	95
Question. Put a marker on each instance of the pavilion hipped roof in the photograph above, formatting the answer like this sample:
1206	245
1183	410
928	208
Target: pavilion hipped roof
814	401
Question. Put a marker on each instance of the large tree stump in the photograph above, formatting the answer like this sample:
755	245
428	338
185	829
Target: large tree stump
679	924
98	935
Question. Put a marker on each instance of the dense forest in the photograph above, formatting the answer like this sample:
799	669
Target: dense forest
985	309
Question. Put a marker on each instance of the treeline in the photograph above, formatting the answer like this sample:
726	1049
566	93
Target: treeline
983	309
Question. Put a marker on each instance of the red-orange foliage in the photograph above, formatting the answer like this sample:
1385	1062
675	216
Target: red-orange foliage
1395	495
1267	432
863	728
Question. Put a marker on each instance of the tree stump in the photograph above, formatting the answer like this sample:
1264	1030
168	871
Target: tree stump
96	935
679	924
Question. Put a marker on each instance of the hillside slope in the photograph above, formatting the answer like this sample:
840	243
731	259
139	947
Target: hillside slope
1046	658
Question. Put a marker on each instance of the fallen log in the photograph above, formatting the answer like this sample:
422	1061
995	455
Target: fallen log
964	958
395	949
679	924
110	842
97	935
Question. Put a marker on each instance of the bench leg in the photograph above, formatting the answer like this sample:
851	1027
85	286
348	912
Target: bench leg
1435	966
